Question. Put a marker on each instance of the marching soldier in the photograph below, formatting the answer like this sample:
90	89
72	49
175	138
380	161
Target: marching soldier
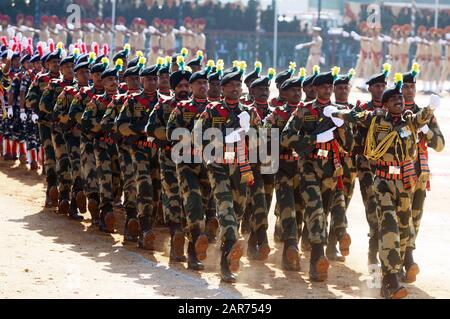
164	76
429	136
214	89
422	55
434	66
287	178
33	100
312	136
390	130
124	147
248	99
120	32
46	106
88	163
155	40
105	150
315	49
196	63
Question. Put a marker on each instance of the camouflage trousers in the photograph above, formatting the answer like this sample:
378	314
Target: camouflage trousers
45	132
394	222
366	176
289	199
418	200
128	169
155	174
319	185
72	139
89	167
341	199
223	195
172	203
239	190
259	218
107	160
196	192
63	168
144	188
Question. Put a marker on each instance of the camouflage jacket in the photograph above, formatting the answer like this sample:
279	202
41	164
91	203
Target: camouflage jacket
133	116
360	132
49	96
157	121
277	119
79	102
36	89
93	114
62	106
305	123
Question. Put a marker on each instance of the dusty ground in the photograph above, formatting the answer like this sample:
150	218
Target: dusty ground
44	255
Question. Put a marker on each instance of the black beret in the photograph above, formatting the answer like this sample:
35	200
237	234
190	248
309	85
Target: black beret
252	76
409	78
150	71
25	58
377	78
203	74
54	55
133	62
35	58
67	59
178	76
120	55
264	81
110	72
98	68
16	55
132	71
292	82
283	76
165	69
195	62
309	80
216	76
82	58
4	54
81	65
390	93
323	78
99	58
345	79
44	57
233	76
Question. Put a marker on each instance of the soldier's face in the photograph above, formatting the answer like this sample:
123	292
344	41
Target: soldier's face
164	82
133	82
15	62
110	83
53	65
341	92
232	90
200	88
182	90
37	66
26	65
83	76
294	95
174	67
376	90
324	91
261	92
310	92
409	92
214	89
396	104
67	71
150	83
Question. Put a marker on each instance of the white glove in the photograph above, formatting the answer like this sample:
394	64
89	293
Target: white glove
23	116
233	137
34	117
299	47
9	112
424	129
337	121
326	136
330	109
244	120
9	54
435	102
355	36
345	34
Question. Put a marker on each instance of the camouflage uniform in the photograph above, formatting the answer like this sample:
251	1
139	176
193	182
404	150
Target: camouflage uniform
31	129
33	99
87	156
394	179
131	124
46	106
172	202
321	169
106	158
434	139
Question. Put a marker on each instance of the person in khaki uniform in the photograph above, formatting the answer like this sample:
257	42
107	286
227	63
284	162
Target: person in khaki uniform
155	40
404	45
363	63
376	48
187	34
44	33
168	39
422	57
315	49
435	65
446	68
393	47
121	31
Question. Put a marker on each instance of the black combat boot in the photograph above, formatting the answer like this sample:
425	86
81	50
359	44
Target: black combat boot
373	251
411	268
318	267
291	256
48	200
229	261
331	250
176	243
79	195
107	221
391	288
93	209
146	236
64	204
73	211
131	231
54	194
192	260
